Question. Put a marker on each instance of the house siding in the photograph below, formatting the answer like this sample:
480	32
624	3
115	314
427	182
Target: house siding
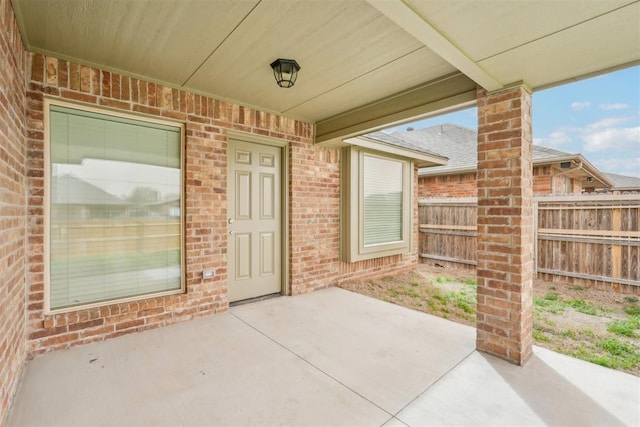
13	213
314	198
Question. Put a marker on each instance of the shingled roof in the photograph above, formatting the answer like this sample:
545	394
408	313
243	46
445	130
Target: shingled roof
623	182
458	144
68	189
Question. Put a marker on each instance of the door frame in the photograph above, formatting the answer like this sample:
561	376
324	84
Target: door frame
284	198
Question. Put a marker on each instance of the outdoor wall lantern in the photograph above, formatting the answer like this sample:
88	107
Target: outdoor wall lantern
285	71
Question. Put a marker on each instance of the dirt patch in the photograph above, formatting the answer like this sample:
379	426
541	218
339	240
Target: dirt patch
594	325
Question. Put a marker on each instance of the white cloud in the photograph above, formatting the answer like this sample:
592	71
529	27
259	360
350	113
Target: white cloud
580	105
620	165
608	122
612	139
554	139
614	106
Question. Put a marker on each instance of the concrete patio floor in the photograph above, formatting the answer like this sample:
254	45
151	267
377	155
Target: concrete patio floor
326	358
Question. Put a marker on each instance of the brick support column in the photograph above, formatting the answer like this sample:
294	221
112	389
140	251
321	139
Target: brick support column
505	224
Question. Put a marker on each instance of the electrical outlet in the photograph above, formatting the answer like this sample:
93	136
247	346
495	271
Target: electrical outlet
208	274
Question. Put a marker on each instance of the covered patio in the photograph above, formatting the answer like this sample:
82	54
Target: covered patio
187	86
331	357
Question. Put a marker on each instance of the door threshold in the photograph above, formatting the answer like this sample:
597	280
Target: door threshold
255	299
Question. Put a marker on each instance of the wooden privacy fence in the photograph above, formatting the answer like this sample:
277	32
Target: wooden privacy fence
593	238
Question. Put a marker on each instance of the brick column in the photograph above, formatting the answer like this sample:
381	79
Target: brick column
505	224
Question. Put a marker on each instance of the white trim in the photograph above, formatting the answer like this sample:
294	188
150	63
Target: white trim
421	158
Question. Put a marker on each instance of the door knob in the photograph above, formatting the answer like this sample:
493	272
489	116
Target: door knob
230	220
230	232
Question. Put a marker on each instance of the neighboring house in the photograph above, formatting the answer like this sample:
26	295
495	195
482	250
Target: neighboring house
73	198
554	172
621	184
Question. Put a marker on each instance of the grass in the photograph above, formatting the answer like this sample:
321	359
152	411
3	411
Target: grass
554	303
632	311
625	327
615	354
549	303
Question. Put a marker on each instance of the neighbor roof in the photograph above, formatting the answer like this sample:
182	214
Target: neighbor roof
80	192
459	145
623	182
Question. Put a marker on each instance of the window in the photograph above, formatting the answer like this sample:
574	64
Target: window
114	217
376	204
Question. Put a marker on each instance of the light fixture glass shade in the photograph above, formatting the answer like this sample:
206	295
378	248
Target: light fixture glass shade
285	71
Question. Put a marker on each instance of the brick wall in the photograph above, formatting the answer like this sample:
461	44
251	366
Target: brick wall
313	212
13	189
315	224
505	224
545	181
458	185
542	180
206	122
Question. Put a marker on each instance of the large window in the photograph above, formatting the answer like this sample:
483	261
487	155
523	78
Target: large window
376	204
114	207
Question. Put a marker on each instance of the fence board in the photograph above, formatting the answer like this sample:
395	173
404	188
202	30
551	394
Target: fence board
585	237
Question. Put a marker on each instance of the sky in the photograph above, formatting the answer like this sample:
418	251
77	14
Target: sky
597	117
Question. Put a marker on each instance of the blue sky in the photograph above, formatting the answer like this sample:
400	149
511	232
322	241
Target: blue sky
597	117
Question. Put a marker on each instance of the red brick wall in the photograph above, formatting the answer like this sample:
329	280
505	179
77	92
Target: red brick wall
459	185
207	121
545	181
505	224
13	214
542	180
313	212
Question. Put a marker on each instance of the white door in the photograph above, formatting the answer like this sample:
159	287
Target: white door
254	220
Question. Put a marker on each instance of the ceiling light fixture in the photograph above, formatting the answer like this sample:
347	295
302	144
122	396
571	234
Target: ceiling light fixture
285	71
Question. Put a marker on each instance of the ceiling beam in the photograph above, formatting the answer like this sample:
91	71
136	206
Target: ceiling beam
448	93
409	20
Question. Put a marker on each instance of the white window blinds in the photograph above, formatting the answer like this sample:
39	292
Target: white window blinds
383	199
114	208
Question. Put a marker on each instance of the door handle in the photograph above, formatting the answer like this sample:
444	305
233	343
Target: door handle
231	232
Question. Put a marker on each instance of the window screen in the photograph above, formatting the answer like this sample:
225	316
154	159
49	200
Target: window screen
114	208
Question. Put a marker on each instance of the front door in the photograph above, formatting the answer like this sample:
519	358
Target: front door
254	220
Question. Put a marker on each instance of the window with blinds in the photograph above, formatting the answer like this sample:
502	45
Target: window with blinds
115	208
376	204
382	194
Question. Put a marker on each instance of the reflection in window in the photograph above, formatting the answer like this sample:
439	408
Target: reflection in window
115	197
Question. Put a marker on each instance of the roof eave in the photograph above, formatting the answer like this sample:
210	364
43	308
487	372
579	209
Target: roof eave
447	171
421	159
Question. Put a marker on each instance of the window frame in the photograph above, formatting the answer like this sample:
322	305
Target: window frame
352	247
48	102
